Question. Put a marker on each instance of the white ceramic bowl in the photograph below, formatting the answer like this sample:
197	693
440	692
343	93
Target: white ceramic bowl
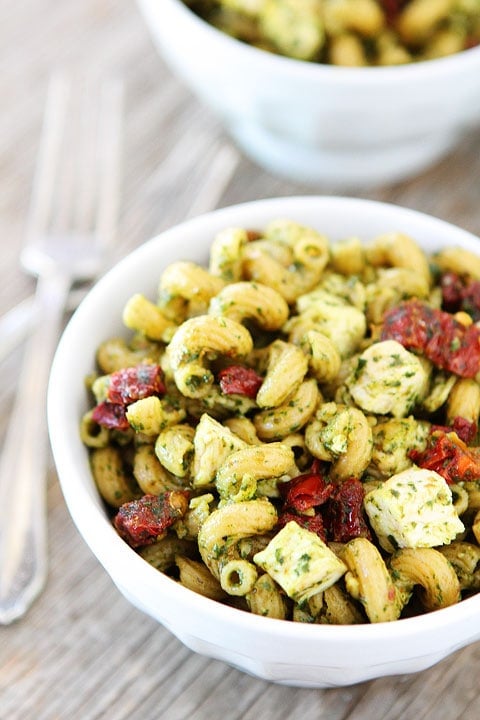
282	651
348	127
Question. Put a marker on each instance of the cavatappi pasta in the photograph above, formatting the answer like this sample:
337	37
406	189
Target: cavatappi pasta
349	32
293	428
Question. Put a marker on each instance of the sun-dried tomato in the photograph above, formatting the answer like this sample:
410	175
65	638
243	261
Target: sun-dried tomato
460	293
465	429
239	380
135	383
451	286
435	333
411	323
392	9
471	299
314	523
110	415
305	491
319	467
343	515
142	522
449	456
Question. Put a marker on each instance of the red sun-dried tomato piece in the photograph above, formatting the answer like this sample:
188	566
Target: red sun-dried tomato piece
465	429
313	523
343	515
239	380
455	348
471	299
110	415
135	383
452	288
448	455
411	323
460	293
436	334
305	491
392	8
141	522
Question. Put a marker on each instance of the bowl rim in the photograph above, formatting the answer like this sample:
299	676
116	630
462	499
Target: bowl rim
369	75
115	555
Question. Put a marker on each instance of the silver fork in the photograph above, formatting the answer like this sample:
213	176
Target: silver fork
72	222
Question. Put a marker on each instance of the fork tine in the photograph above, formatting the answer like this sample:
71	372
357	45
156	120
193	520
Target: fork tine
85	202
85	152
110	133
105	185
47	163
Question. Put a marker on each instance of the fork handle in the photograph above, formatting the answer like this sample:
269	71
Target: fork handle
24	460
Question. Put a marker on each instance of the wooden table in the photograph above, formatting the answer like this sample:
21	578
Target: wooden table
82	652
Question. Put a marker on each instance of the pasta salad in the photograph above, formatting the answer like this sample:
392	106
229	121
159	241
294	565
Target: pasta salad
349	32
293	428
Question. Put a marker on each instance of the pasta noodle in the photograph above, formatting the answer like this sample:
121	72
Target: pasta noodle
343	436
476	526
238	577
174	448
151	415
227	525
281	432
369	581
143	315
195	576
226	254
251	301
323	357
287	245
348	32
186	289
92	434
430	569
289	417
163	555
464	401
195	341
212	443
237	478
150	475
266	599
115	354
286	368
113	481
338	608
465	560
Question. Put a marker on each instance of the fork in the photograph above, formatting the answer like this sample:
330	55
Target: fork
71	224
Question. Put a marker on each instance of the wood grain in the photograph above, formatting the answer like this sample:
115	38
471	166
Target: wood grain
82	652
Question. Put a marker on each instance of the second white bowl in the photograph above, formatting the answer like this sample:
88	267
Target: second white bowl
348	127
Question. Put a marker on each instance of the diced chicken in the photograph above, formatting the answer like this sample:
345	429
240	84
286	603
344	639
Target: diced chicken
300	562
413	509
389	380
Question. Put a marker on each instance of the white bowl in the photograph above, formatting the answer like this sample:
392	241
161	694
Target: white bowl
348	127
281	651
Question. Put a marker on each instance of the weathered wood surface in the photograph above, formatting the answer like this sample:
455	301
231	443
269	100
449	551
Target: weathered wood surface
82	652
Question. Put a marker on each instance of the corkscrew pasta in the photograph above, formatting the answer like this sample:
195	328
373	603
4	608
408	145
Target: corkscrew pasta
281	433
348	32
